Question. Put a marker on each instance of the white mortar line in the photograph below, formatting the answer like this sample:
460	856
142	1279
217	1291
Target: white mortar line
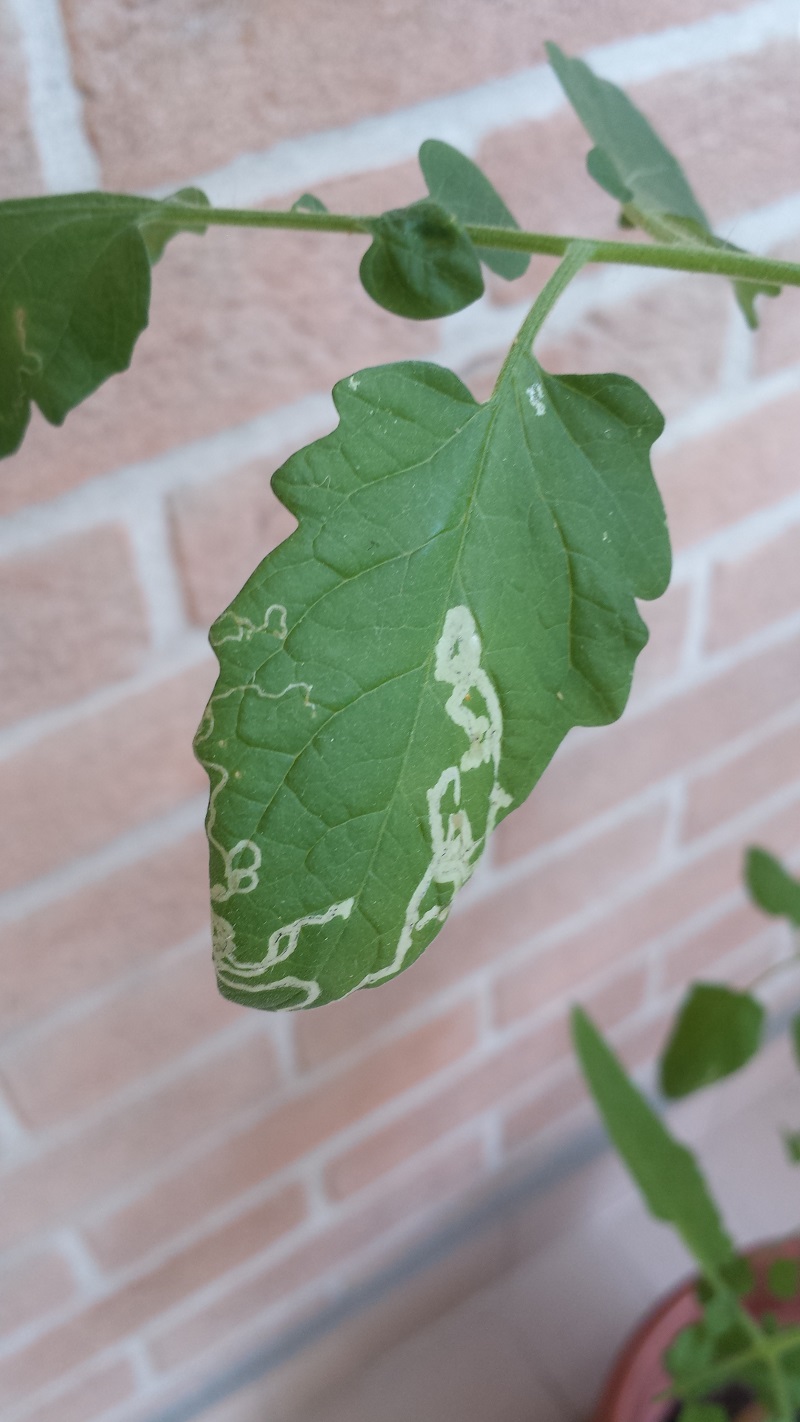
728	406
692	655
158	577
67	158
13	1135
467	117
191	651
121	853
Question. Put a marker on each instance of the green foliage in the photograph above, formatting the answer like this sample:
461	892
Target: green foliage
664	1170
771	886
783	1278
421	263
716	1031
458	185
632	164
307	202
703	1412
397	675
74	296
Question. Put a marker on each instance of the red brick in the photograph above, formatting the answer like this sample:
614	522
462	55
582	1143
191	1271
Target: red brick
408	1203
742	781
77	788
776	341
523	1124
610	764
78	621
615	1001
241	323
258	77
733	126
694	956
642	1044
32	1288
59	1183
524	991
155	1017
726	475
100	933
481	1087
19	161
667	621
750	592
671	340
616	934
114	1317
563	886
108	1384
248	1158
222	530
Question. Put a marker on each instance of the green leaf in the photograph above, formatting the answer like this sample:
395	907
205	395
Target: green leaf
664	1170
783	1278
632	164
459	186
717	1030
421	263
74	296
308	203
771	886
158	233
791	1144
691	1351
398	673
794	1032
703	1412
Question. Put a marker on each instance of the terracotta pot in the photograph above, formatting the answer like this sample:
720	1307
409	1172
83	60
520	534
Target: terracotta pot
638	1376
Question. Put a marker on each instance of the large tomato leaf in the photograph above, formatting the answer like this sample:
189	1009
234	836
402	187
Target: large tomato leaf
395	677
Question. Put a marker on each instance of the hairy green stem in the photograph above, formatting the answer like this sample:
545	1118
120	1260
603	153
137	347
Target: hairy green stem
575	257
678	257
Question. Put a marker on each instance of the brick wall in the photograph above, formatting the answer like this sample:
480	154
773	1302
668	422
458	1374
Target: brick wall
180	1178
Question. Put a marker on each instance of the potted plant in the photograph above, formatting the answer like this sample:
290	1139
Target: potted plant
728	1343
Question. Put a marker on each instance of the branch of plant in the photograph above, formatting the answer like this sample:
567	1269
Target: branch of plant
742	266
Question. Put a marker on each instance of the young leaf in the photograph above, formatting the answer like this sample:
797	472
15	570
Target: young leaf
421	263
74	296
398	673
157	233
791	1144
771	886
458	185
717	1030
307	202
783	1278
664	1170
703	1412
632	164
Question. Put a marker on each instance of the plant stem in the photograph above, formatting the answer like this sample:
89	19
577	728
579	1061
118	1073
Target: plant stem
764	1348
575	257
677	257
